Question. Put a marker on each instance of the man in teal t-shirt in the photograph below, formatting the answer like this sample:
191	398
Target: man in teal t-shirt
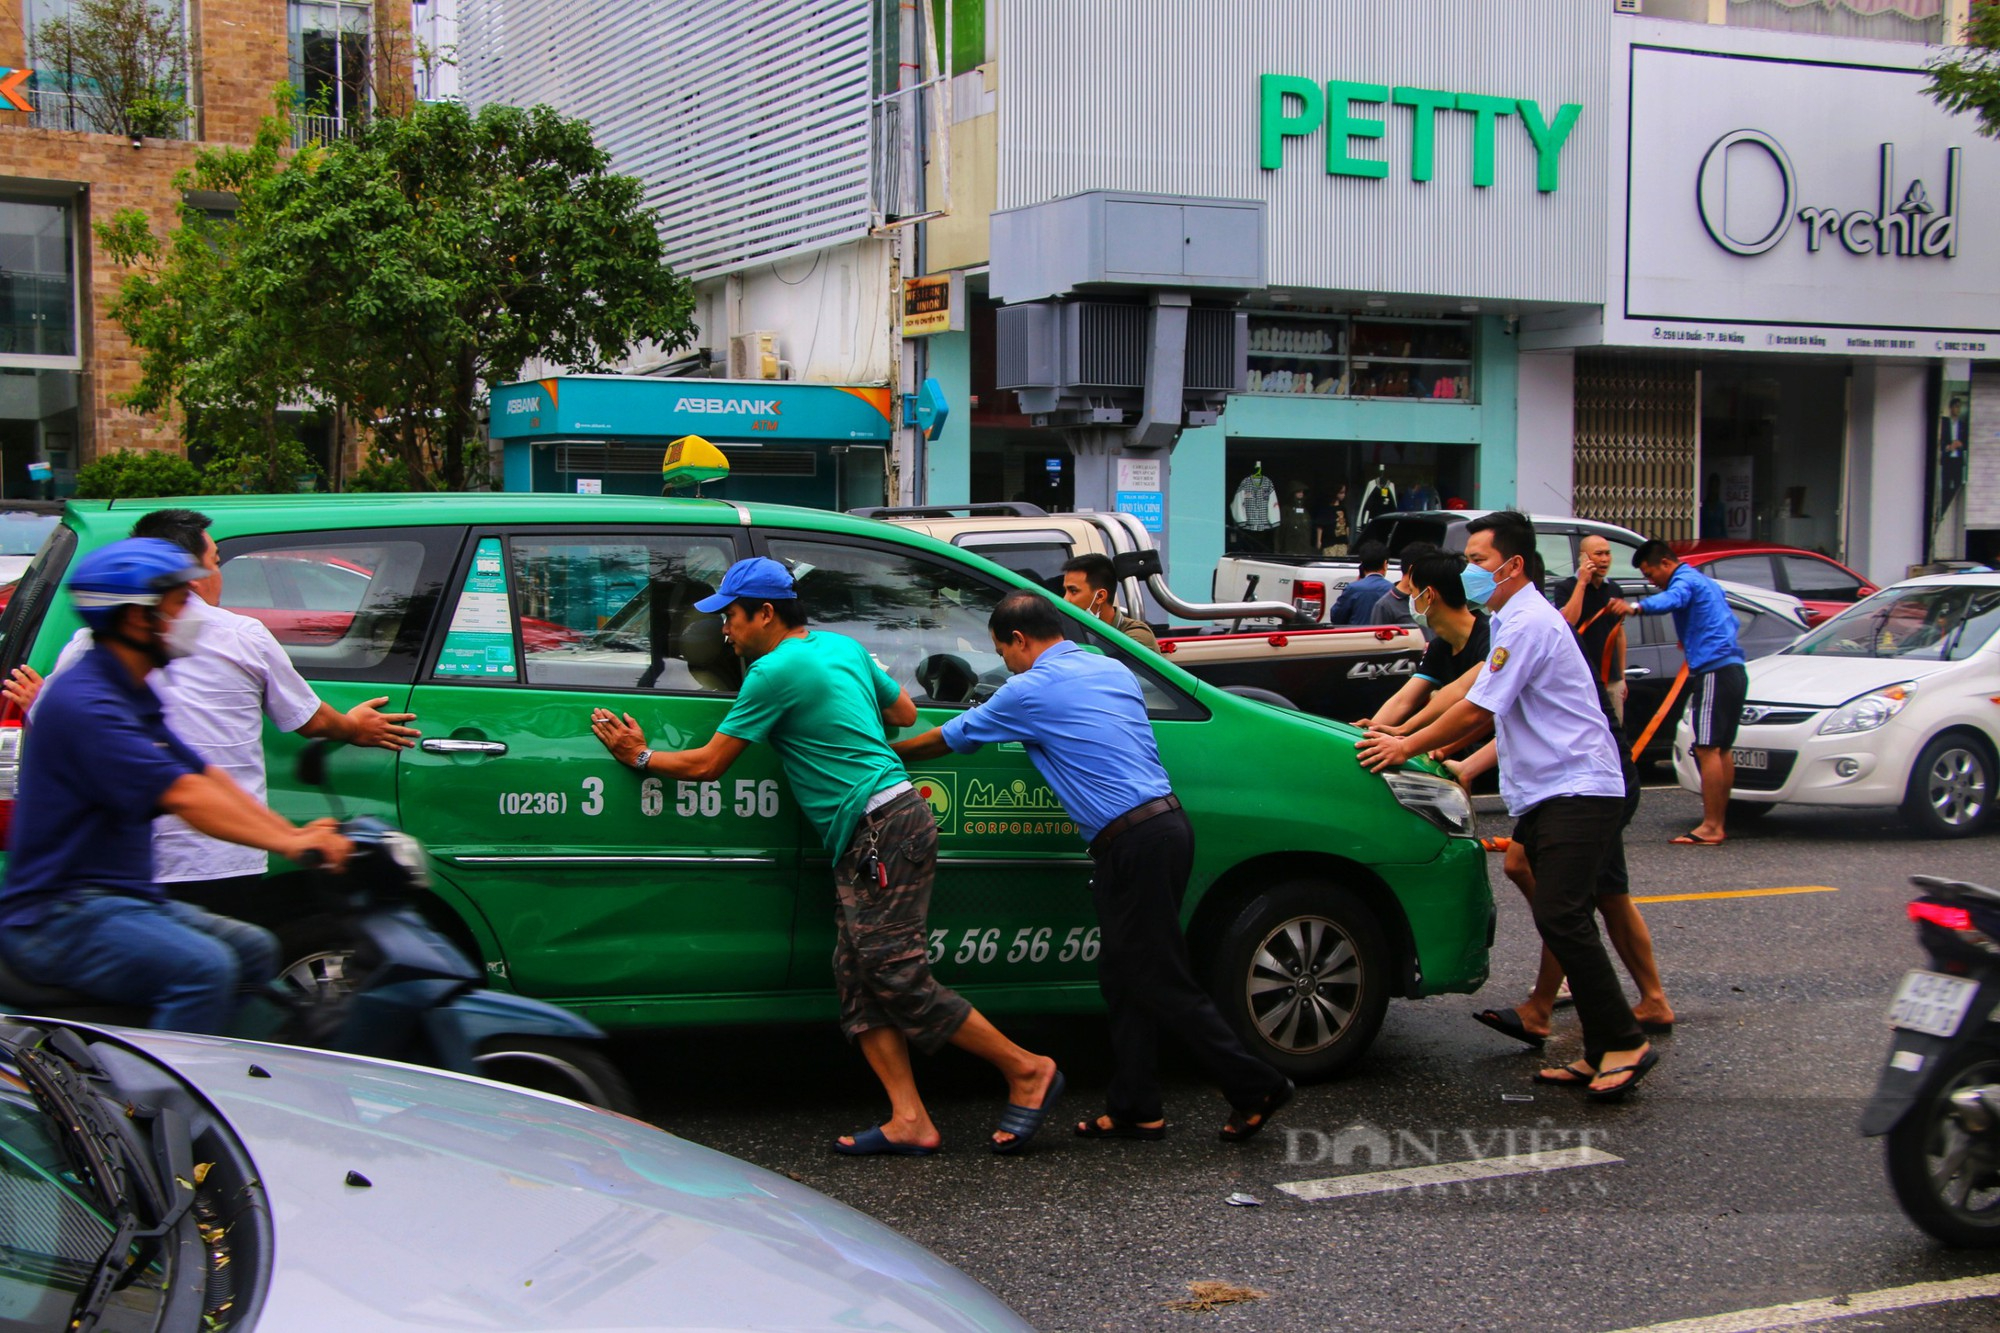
824	705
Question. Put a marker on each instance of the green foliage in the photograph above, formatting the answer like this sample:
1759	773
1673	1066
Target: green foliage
393	275
126	474
127	58
381	474
1969	79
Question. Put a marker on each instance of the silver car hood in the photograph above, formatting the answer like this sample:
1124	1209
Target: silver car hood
489	1207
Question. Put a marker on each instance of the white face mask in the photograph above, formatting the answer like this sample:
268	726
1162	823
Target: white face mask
179	637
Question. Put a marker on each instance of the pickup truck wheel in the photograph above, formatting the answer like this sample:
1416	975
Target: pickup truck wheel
1302	974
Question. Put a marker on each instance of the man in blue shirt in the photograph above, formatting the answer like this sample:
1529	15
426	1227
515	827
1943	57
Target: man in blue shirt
1357	600
79	907
1718	683
1082	719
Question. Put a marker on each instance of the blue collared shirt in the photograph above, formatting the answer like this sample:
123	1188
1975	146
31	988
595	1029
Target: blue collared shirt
94	765
1357	600
1554	740
1083	721
1702	618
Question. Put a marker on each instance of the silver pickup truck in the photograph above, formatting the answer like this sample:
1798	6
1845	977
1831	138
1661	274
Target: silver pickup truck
1260	649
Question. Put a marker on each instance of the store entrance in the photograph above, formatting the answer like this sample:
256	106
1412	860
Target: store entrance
1294	497
1772	451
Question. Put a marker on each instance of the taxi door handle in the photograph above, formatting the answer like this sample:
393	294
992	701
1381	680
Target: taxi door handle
1631	673
449	746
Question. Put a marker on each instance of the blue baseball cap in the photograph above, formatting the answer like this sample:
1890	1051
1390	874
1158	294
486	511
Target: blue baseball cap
760	579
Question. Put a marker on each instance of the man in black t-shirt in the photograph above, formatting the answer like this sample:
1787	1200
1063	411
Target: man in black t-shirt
1584	599
1460	636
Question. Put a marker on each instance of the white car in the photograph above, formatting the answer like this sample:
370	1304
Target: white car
1896	701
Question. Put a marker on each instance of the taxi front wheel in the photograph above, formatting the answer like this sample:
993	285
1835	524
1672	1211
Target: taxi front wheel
1302	974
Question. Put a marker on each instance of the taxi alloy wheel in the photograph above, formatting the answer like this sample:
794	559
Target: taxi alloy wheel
1951	787
1303	976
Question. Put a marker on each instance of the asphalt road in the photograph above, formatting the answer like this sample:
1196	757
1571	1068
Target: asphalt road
1739	1180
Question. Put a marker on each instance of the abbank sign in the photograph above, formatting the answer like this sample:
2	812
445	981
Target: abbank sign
1782	202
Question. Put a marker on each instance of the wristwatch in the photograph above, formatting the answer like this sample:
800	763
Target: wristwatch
643	758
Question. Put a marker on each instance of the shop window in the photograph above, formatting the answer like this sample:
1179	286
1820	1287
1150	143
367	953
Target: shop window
619	613
37	279
329	67
1360	356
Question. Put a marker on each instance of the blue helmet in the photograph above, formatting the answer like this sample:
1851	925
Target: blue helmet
135	572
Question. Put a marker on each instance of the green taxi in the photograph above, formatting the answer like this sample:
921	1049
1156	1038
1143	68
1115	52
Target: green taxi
1319	891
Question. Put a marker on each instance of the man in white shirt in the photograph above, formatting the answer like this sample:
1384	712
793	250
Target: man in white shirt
216	700
1562	781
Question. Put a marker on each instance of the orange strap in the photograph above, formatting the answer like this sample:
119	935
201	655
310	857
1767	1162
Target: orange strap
1666	706
1613	644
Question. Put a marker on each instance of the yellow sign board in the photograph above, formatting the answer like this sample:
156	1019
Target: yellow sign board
933	305
692	461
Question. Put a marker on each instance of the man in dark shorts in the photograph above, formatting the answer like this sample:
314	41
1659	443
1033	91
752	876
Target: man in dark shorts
1717	682
1083	721
823	704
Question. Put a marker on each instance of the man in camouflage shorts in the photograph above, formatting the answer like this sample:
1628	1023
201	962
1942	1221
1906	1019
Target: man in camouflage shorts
823	704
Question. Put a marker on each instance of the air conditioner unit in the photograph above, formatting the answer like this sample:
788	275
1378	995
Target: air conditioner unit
754	356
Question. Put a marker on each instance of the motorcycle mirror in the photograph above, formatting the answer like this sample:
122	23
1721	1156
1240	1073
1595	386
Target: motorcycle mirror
312	763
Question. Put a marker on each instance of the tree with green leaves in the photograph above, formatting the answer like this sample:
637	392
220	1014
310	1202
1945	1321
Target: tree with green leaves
395	275
126	61
1969	78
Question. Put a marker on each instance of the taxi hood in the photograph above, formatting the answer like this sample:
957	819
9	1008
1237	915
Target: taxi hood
1828	682
495	1208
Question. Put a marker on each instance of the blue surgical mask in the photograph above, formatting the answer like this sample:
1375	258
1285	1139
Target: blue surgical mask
1478	584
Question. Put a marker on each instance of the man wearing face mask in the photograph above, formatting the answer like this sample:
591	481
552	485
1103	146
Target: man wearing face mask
1088	581
1459	635
217	696
1561	776
80	907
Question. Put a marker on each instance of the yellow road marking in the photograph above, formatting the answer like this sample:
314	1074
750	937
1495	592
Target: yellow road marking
1737	893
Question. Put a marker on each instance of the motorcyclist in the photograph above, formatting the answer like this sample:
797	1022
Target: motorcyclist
79	907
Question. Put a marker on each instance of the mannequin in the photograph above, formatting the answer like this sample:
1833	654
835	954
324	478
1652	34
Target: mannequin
1330	525
1295	526
1379	497
1255	507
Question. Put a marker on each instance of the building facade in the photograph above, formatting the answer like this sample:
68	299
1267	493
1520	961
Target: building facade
65	365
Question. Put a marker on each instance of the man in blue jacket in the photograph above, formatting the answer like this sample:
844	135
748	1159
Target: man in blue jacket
1717	682
1357	599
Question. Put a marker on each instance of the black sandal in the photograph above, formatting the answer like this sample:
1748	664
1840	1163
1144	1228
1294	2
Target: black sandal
1244	1122
1569	1076
1119	1129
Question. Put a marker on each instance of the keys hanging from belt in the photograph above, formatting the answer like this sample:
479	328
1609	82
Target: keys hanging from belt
872	867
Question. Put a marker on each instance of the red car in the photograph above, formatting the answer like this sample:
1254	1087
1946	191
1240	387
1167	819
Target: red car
1826	586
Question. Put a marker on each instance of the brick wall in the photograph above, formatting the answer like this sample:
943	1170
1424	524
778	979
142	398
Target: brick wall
243	53
1982	477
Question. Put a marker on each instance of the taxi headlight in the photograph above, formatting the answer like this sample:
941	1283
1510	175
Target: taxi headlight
1442	802
408	853
1869	711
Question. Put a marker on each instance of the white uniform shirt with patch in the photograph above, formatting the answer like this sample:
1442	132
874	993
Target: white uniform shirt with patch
1553	737
216	700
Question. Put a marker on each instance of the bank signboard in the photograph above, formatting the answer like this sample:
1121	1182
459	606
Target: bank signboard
1788	200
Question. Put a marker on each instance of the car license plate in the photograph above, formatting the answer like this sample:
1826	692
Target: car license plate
1757	759
1932	1002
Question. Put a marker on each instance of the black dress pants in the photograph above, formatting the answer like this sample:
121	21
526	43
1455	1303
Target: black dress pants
1567	840
1147	981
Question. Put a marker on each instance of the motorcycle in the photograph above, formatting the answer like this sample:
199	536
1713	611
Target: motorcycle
1938	1101
383	982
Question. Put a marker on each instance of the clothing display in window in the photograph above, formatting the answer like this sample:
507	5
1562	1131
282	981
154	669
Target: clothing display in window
1295	525
1255	507
1379	498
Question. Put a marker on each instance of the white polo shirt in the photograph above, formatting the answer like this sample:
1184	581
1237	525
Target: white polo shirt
216	700
1553	737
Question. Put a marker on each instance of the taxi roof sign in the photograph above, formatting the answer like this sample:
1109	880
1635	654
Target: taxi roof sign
692	462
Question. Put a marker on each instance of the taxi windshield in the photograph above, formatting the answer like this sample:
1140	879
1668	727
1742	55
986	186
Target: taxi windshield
1929	623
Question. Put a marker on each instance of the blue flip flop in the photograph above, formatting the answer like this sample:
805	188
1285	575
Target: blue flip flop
1023	1121
872	1142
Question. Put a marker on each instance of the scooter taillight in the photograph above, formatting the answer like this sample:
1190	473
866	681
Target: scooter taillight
1940	914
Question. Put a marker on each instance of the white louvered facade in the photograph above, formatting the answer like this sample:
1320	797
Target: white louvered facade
748	122
1162	96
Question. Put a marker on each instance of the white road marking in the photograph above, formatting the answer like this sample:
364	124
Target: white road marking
1800	1313
1446	1173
